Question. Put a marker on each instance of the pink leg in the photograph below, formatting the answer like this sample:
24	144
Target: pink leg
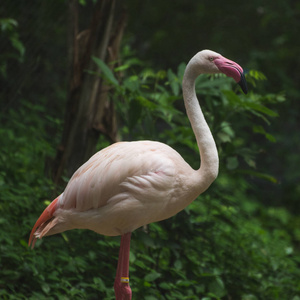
121	286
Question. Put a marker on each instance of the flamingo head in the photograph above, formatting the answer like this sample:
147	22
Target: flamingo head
213	62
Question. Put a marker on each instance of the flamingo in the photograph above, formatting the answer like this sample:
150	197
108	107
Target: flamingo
131	184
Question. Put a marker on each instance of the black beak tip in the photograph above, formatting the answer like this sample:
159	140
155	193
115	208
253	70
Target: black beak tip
243	83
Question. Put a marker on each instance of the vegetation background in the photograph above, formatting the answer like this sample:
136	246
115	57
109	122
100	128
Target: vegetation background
239	240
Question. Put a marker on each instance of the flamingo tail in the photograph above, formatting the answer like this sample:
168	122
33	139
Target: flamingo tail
45	216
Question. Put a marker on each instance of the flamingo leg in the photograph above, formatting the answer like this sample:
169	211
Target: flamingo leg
121	285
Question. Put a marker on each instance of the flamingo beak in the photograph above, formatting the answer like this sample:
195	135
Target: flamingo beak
232	69
243	83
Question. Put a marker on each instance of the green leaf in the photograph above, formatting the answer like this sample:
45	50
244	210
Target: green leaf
226	134
178	264
161	74
166	286
232	163
65	237
46	288
260	129
121	68
132	83
24	243
257	75
217	287
17	44
260	108
173	80
232	97
152	276
99	282
106	71
146	103
259	175
47	202
8	24
147	73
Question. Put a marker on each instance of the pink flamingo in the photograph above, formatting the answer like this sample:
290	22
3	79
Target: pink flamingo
131	184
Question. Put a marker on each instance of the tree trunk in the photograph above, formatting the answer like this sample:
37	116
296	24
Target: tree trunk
89	112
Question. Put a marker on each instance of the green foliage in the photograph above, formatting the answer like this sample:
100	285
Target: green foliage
224	245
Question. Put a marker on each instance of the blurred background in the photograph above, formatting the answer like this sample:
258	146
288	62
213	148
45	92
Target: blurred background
82	74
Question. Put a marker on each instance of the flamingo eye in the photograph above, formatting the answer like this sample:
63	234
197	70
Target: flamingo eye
211	58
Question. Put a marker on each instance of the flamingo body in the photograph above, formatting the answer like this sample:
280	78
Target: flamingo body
123	187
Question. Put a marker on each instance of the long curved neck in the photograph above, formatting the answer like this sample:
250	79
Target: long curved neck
209	167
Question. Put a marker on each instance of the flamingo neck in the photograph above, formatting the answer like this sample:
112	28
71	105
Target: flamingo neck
209	167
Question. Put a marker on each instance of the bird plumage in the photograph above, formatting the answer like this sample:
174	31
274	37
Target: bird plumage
123	187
